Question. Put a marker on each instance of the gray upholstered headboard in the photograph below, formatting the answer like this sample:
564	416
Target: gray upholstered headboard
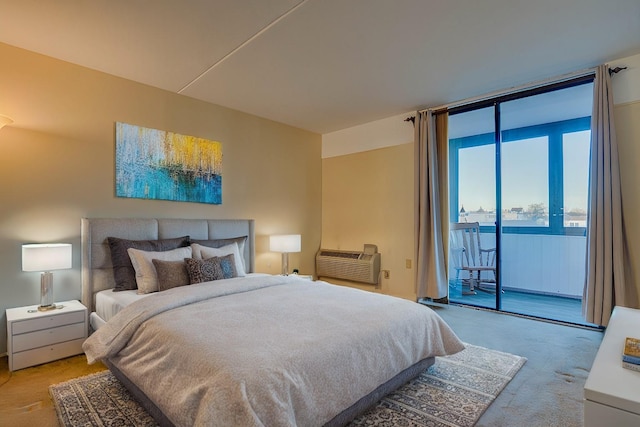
97	272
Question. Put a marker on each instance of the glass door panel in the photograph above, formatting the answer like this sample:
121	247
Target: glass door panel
544	167
472	200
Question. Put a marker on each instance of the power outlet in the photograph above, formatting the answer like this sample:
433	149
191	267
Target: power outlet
386	274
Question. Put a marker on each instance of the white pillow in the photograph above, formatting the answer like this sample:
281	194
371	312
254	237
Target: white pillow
218	243
207	252
146	276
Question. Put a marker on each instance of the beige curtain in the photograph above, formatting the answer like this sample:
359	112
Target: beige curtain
604	283
431	204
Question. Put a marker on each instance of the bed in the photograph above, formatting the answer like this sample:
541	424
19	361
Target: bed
255	349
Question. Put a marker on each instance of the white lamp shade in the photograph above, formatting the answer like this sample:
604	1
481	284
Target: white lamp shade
285	243
46	256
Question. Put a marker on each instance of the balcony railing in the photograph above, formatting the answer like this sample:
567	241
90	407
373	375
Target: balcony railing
542	276
540	263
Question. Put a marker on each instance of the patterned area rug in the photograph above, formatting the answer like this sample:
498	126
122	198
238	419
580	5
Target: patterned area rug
455	391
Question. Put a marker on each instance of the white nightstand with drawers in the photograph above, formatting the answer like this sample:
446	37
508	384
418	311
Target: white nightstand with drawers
35	337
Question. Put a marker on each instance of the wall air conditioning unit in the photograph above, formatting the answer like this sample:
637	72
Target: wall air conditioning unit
355	266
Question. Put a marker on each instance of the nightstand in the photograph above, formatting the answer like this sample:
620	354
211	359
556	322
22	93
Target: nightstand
611	392
35	337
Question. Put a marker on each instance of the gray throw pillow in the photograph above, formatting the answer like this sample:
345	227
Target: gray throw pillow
171	274
123	271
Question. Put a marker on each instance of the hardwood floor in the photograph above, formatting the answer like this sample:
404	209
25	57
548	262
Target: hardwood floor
24	394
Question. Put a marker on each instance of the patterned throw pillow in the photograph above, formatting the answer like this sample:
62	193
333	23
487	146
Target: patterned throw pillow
228	266
209	269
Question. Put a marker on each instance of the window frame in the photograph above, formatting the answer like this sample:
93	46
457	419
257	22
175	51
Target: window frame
554	133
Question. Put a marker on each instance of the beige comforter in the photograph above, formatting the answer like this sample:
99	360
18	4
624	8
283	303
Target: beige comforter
266	351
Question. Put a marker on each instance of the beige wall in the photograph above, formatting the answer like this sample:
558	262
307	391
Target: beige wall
368	198
57	165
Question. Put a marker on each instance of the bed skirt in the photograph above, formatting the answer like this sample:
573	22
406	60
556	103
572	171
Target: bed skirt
342	419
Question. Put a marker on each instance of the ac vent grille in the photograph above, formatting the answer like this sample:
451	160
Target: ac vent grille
348	265
352	255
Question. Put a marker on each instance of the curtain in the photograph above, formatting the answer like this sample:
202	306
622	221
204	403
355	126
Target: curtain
604	283
431	204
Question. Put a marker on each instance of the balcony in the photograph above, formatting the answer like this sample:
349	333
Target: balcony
542	276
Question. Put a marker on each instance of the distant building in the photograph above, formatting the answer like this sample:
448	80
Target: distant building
462	215
481	216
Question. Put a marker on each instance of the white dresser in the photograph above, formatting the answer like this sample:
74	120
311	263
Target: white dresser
611	392
35	337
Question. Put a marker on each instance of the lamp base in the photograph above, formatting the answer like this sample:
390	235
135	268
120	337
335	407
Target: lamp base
47	307
285	264
46	292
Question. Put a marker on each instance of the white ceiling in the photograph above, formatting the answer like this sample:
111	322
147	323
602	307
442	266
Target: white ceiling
325	65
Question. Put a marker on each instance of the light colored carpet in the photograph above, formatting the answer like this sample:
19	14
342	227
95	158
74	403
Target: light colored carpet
548	390
455	391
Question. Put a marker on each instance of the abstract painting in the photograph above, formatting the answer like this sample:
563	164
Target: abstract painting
156	164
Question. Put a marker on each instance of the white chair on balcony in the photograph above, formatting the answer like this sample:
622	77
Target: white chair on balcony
467	254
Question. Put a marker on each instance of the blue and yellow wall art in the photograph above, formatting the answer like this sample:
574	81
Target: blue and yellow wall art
155	164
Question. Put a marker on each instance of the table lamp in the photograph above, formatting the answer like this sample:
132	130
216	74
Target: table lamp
46	257
285	243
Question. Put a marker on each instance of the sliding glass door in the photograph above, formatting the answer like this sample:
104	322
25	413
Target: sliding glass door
519	168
